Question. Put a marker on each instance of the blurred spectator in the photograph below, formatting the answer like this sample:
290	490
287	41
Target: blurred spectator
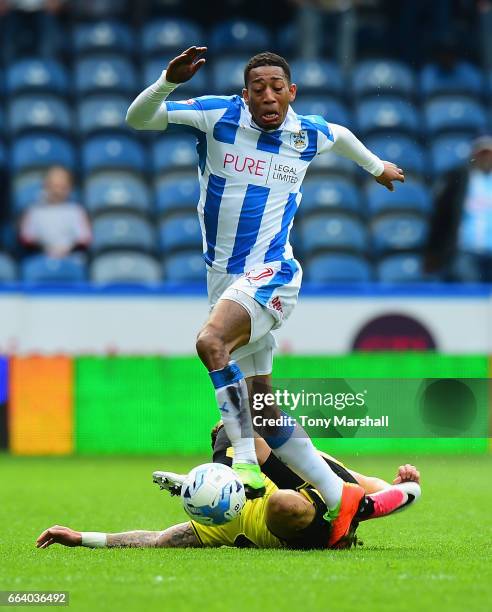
56	225
460	239
30	27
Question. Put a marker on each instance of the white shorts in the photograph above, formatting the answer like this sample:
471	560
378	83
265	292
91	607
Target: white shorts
269	294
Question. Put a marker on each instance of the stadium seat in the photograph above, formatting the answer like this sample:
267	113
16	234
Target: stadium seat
45	112
8	268
330	109
198	85
454	114
173	194
384	114
186	266
114	190
408	196
122	230
330	194
40	151
116	152
163	36
102	112
171	153
103	36
317	77
464	78
238	36
402	231
382	77
323	231
228	75
44	269
401	268
331	164
105	73
124	267
337	267
404	151
448	152
180	231
36	75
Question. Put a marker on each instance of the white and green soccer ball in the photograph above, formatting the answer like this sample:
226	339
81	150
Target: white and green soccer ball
212	494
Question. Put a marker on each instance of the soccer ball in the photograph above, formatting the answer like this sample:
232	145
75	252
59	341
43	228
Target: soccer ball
212	494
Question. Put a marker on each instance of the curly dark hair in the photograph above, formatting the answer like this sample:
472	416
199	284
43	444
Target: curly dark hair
266	59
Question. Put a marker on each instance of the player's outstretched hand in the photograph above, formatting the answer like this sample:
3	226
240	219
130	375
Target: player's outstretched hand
390	173
407	472
183	67
59	535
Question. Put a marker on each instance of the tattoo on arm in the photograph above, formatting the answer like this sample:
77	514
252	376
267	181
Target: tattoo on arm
133	539
178	536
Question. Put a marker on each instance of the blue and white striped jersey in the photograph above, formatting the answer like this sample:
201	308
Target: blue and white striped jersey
250	179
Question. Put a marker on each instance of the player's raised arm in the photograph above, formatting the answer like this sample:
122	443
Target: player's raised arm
348	145
147	111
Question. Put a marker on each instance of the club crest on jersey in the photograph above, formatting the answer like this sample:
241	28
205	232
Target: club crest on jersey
299	140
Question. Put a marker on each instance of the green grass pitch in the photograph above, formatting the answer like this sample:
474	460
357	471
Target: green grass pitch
435	556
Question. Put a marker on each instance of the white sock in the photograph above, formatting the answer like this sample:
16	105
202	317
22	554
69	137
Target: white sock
231	392
300	455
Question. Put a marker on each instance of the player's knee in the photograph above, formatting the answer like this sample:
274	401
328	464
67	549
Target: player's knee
287	512
209	345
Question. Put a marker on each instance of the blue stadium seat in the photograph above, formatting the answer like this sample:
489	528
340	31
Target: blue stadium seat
401	150
448	152
122	230
180	231
383	77
408	196
44	269
337	267
330	195
317	77
113	152
331	164
330	109
401	268
102	112
125	267
228	75
26	189
454	114
185	266
41	150
332	231
238	36
173	194
103	36
464	79
45	112
164	36
105	73
115	190
171	153
384	114
36	75
403	231
8	268
198	85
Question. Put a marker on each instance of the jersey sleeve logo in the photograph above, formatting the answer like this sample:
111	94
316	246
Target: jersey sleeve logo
299	140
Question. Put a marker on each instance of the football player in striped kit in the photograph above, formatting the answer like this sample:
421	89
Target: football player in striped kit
253	153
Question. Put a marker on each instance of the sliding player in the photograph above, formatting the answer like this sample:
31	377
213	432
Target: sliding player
283	518
253	152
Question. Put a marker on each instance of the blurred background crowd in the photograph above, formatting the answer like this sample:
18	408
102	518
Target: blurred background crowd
86	198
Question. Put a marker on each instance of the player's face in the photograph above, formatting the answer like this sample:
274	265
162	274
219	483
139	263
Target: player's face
268	96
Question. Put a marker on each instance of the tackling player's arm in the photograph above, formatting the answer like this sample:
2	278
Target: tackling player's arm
147	111
177	536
